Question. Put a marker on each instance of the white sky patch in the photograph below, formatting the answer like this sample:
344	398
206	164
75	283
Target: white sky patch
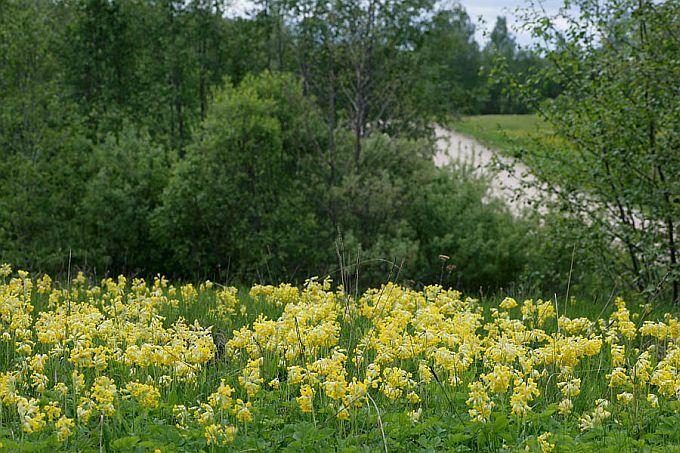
483	14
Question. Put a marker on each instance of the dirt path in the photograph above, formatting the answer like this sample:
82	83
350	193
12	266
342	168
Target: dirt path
504	184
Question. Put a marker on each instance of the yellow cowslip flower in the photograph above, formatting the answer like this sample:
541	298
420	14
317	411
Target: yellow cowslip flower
575	326
653	400
5	270
528	309
498	381
395	380
641	370
103	393
219	434
596	417
620	321
250	378
424	372
504	350
565	406
39	382
78	381
242	411
265	335
227	301
85	409
618	378
181	415
544	442
52	411
279	296
296	374
8	383
413	398
189	294
44	284
204	414
305	400
32	419
508	303
546	310
658	330
274	384
61	389
618	353
146	395
221	398
625	398
523	393
64	426
24	348
664	378
479	402
343	413
335	389
570	388
592	346
357	392
373	378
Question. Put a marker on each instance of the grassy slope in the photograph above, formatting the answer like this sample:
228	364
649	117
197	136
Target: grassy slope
507	133
279	423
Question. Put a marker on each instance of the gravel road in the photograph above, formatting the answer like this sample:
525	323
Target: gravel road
506	175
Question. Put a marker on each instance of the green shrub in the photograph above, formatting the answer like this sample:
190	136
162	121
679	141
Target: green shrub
236	202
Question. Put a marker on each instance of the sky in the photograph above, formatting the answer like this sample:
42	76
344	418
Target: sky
488	10
482	12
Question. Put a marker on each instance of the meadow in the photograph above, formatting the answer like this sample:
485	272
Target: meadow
508	134
181	138
130	365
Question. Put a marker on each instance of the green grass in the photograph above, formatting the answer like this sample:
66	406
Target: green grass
278	423
507	133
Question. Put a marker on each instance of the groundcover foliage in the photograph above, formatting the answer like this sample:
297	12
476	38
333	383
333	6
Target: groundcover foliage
129	365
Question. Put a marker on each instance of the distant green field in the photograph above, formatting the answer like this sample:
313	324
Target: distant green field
508	133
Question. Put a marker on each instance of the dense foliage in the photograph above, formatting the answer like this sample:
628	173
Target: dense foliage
145	136
615	172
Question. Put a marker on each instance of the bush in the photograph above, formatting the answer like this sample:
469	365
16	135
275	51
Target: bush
129	174
237	202
252	200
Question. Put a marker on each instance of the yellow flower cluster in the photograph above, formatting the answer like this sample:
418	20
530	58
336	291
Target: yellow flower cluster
413	338
67	356
227	304
391	346
146	395
278	296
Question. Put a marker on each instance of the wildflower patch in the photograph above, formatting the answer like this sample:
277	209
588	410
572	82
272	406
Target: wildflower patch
144	366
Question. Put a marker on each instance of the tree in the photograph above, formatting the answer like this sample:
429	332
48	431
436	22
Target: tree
501	41
241	200
617	169
448	61
504	60
358	59
129	173
43	150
